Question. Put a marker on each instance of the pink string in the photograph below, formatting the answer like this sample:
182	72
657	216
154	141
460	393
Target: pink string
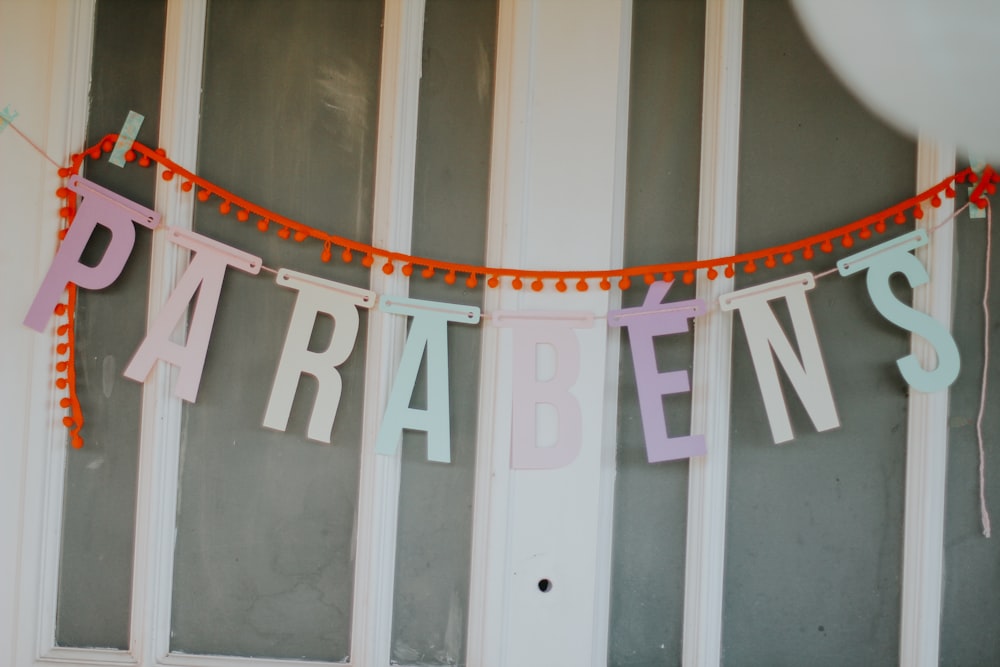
31	143
983	510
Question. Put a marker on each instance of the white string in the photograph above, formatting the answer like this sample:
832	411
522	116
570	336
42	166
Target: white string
983	509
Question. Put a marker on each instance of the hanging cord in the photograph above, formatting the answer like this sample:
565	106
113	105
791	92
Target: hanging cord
31	143
983	510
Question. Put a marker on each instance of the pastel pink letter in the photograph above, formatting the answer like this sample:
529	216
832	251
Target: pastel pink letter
203	275
655	318
529	391
99	206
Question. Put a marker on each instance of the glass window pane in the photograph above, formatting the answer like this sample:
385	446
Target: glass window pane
95	567
970	606
661	221
430	609
264	559
814	542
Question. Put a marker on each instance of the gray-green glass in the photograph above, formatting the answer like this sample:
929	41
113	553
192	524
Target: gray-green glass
431	600
815	526
970	608
95	565
264	560
661	222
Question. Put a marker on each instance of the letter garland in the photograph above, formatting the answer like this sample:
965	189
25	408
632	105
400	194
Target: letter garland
205	275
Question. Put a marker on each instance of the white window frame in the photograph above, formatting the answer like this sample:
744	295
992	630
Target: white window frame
545	108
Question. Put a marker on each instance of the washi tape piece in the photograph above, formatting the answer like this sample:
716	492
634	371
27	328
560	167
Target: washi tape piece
130	130
6	117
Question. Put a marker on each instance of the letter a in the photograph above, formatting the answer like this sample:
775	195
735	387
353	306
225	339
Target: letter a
429	330
203	275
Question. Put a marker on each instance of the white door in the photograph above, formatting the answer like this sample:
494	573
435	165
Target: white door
545	134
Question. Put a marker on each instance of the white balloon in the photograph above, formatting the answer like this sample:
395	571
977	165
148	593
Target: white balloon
926	66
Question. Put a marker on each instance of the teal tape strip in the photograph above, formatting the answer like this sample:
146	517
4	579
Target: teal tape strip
6	117
126	138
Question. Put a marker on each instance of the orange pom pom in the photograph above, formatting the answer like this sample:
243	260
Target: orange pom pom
77	441
581	285
561	285
326	255
167	175
186	186
130	155
808	253
67	421
203	195
624	283
64	402
225	207
450	278
284	233
300	236
712	273
471	281
769	262
749	267
407	269
346	256
242	215
537	284
388	268
428	273
688	277
729	271
605	284
826	246
262	224
367	261
649	279
493	281
107	146
516	283
144	161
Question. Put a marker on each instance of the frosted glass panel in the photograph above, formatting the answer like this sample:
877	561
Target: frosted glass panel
265	531
661	220
95	567
970	620
814	539
431	599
